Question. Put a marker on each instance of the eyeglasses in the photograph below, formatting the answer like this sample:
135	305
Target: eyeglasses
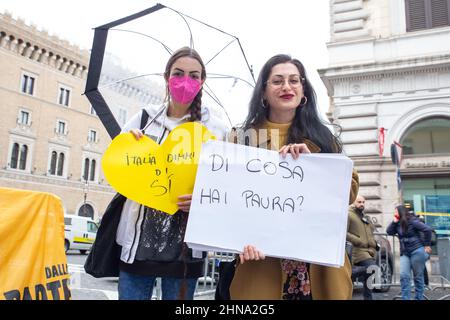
294	81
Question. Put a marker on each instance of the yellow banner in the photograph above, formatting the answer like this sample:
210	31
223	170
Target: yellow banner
156	175
33	264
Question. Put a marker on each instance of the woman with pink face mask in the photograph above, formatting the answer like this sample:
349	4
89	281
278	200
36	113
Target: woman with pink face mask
152	241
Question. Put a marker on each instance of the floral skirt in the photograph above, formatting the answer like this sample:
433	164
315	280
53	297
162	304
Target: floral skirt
297	285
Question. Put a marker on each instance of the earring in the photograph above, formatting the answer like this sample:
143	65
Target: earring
263	104
306	100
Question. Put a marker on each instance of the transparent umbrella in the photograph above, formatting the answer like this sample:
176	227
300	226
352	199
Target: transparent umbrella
129	55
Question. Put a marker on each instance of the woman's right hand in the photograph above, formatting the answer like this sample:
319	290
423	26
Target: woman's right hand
137	133
396	216
251	253
294	149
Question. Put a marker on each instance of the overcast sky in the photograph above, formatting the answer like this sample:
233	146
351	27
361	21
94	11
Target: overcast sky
296	27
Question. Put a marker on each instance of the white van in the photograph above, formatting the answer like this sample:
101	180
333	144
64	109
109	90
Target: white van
79	233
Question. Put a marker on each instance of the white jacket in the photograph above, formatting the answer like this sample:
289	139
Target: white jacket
159	127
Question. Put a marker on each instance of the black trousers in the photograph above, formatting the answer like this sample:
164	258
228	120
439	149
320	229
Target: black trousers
367	293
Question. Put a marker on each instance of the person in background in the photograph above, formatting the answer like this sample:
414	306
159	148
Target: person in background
360	233
414	250
152	241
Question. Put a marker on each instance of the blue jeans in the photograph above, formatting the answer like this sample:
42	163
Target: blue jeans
415	261
137	287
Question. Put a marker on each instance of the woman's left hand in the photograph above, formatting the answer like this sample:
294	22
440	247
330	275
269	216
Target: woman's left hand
295	149
184	203
428	249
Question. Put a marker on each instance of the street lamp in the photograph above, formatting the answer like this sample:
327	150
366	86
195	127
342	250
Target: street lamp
85	191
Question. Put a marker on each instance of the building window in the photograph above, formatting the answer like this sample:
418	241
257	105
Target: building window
430	198
427	137
27	84
19	155
60	164
92	111
14	156
24	118
53	163
57	164
64	96
122	116
23	157
427	14
92	174
61	128
90	167
86	210
86	169
92	136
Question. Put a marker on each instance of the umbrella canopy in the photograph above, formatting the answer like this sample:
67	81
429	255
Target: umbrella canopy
129	56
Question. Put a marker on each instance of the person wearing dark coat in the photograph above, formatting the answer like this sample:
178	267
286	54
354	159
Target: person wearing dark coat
414	249
360	231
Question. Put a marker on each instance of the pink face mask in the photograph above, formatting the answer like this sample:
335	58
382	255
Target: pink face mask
184	89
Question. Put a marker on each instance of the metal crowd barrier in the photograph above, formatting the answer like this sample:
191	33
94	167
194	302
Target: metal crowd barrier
387	274
390	277
206	284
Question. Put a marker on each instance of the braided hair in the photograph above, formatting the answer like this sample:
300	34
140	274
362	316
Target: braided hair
196	106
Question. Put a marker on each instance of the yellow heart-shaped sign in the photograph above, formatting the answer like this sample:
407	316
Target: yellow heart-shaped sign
156	175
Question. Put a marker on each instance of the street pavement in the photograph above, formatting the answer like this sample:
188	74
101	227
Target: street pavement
86	287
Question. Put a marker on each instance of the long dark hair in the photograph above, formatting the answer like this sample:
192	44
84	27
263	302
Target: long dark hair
196	105
405	216
306	123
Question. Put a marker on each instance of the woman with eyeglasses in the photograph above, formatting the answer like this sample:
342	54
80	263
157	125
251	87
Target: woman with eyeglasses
284	104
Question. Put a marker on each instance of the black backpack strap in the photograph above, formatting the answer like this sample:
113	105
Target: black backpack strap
144	119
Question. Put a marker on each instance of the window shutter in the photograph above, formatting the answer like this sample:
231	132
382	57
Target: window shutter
439	13
15	156
93	165
427	14
60	164
86	169
415	15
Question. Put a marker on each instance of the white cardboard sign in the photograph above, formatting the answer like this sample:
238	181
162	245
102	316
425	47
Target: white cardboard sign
293	209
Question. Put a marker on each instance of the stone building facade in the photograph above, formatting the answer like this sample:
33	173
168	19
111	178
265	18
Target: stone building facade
50	137
388	80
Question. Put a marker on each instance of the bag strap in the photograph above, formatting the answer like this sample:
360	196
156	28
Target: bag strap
144	119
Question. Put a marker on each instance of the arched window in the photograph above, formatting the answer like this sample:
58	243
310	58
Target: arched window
92	175
86	169
86	210
427	136
53	163
14	156
57	162
23	157
60	164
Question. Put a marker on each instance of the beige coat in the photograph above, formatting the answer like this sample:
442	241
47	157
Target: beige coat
263	280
